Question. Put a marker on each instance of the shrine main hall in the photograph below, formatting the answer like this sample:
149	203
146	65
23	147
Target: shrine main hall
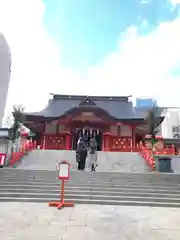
116	124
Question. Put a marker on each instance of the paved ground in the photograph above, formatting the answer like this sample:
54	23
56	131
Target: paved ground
84	222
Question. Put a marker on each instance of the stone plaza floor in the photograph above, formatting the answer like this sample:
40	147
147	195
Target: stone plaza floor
24	221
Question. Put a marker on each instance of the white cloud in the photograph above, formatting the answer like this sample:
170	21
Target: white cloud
145	2
36	66
142	65
174	2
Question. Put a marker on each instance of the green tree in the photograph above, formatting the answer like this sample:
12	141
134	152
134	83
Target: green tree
151	121
18	118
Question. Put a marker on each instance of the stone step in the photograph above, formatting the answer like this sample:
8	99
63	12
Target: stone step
92	192
95	182
138	185
87	188
107	174
90	198
92	201
104	188
92	179
51	176
79	179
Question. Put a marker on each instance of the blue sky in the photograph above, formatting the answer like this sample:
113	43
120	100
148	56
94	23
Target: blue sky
87	30
92	47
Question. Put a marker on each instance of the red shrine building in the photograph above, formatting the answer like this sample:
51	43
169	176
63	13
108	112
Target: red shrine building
115	123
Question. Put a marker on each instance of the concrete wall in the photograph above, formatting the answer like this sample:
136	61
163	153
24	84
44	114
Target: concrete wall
107	161
175	164
5	65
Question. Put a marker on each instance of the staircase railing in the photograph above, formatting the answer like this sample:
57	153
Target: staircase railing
149	156
17	156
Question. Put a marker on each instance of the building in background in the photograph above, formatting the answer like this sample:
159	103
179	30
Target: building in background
145	103
5	72
170	127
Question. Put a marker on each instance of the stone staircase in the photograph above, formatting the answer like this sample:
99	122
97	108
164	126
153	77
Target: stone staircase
108	188
107	161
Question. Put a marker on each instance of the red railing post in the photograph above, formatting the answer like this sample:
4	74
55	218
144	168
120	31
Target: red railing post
107	142
68	141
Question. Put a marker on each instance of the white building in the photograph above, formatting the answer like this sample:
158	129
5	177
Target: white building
170	127
5	72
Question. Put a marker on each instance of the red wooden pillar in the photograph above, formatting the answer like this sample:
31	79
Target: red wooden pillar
173	149
43	142
107	141
43	137
133	139
68	141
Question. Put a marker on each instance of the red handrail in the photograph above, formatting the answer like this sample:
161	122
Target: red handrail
16	156
148	157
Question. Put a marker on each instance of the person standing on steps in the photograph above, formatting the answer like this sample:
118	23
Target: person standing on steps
81	154
85	138
92	156
77	152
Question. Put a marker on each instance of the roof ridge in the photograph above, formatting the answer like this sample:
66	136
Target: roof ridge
95	98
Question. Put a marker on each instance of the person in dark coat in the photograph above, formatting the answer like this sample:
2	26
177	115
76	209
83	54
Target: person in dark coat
81	154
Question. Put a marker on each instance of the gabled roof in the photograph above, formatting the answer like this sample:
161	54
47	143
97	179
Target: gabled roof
117	107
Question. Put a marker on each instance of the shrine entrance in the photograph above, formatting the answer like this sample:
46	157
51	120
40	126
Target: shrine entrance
88	132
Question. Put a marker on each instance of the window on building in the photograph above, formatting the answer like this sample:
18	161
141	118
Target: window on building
176	135
176	129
